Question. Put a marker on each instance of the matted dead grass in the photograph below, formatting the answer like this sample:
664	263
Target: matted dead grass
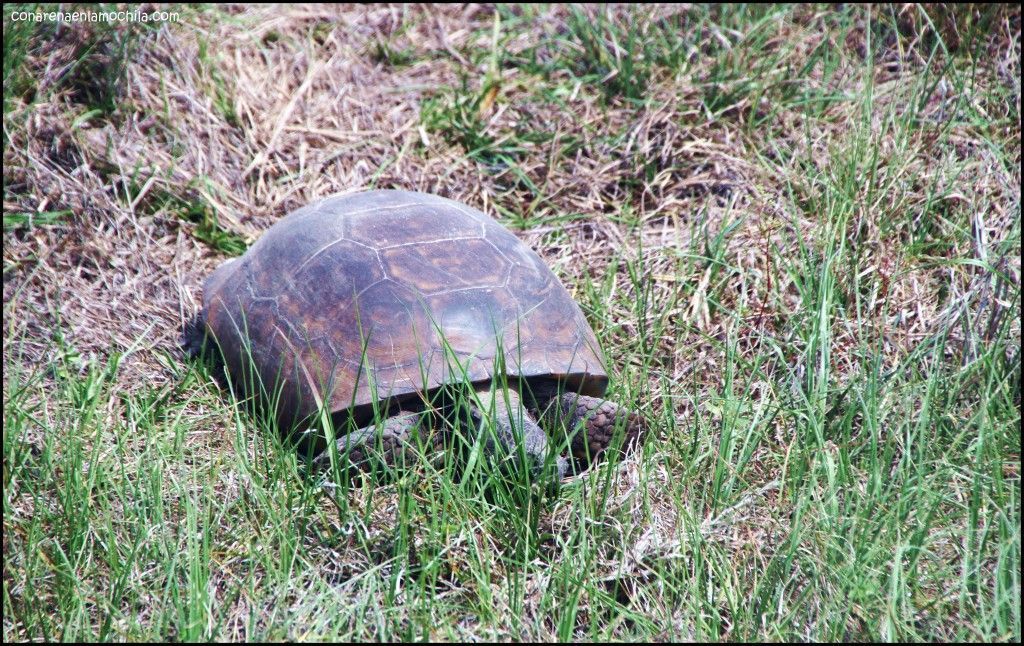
251	112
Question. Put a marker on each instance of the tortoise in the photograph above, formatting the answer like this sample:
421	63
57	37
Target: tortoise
375	300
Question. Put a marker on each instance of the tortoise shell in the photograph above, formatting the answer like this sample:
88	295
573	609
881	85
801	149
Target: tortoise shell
383	295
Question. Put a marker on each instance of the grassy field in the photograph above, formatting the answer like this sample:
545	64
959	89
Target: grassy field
795	231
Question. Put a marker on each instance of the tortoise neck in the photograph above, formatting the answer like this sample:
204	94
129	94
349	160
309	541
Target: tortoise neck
498	399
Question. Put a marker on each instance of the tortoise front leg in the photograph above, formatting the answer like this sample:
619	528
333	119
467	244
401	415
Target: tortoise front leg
393	444
592	424
513	425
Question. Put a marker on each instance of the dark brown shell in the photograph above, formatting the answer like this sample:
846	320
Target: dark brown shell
347	300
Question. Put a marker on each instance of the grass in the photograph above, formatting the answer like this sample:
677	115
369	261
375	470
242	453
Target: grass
191	207
91	58
795	231
13	221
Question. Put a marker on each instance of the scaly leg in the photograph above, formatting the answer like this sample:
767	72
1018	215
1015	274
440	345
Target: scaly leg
592	423
392	444
512	424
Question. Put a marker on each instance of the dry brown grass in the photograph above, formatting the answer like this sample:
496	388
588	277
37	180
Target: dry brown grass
318	115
